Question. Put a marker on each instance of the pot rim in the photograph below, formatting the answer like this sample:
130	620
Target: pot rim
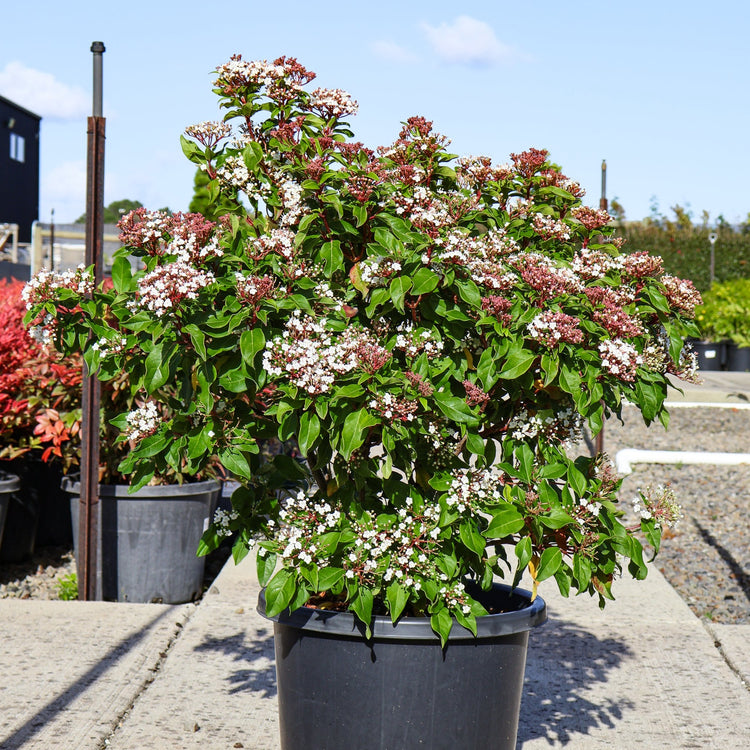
72	486
9	482
346	624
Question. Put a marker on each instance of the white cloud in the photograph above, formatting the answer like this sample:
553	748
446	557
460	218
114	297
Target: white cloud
468	41
42	93
64	189
387	50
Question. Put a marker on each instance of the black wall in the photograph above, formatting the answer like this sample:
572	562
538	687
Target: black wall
19	181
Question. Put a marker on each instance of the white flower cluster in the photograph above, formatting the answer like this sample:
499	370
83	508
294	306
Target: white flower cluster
302	518
143	421
166	286
291	195
480	255
280	241
222	519
239	72
594	264
234	172
473	488
549	227
591	507
619	358
333	102
106	347
188	249
378	271
209	133
413	341
455	596
309	355
79	280
564	425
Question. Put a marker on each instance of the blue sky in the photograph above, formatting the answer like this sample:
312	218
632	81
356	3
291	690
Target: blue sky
658	89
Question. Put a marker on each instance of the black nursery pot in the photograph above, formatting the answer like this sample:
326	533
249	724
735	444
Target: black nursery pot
710	355
737	358
400	689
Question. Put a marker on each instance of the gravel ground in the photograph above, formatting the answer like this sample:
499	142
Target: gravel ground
41	576
706	557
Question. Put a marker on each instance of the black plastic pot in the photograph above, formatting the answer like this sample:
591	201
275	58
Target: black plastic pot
9	484
400	689
737	358
710	355
41	491
19	537
148	540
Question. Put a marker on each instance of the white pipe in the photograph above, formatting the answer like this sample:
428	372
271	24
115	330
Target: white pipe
628	456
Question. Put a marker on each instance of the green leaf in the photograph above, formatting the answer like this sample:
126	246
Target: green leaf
235	461
329	577
265	565
397	598
251	342
398	288
309	430
279	592
556	519
424	281
517	363
362	607
122	275
157	365
471	538
577	481
360	214
504	522
454	408
353	431
549	562
331	257
523	552
441	622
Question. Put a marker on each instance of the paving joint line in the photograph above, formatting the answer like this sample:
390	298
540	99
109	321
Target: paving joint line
179	629
727	660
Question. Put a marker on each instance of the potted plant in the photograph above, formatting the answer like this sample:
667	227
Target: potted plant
725	315
146	539
431	332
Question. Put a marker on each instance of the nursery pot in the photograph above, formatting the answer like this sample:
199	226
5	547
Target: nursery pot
710	355
148	540
738	358
21	521
9	484
338	690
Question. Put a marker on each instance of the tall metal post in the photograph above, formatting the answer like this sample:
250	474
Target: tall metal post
88	516
599	440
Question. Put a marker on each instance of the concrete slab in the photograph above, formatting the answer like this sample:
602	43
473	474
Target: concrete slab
734	643
217	688
71	669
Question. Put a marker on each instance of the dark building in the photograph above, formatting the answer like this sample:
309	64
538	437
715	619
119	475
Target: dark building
19	167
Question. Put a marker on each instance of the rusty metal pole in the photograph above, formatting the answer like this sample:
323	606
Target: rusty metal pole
599	440
88	516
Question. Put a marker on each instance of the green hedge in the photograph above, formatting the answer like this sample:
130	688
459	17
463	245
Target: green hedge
686	250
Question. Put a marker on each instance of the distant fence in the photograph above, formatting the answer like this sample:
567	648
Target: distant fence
63	246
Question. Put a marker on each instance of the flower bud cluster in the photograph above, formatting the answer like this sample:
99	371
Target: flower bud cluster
394	407
209	133
333	103
549	228
619	358
591	264
552	328
681	294
44	286
474	489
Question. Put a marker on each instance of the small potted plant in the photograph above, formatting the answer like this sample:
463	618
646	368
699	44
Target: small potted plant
724	316
432	333
164	516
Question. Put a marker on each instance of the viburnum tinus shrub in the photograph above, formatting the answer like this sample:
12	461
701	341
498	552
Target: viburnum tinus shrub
433	333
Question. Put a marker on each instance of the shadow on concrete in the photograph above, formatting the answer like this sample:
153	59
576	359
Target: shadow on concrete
741	576
564	662
34	724
254	656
